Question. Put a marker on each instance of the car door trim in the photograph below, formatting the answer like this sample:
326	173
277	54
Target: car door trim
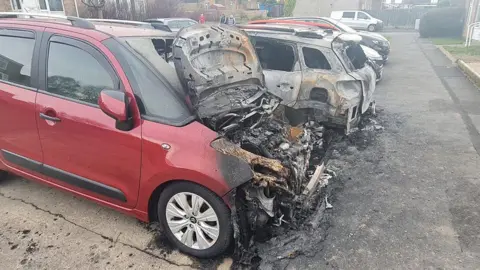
66	177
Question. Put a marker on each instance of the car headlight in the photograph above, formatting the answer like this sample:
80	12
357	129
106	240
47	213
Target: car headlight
349	89
376	42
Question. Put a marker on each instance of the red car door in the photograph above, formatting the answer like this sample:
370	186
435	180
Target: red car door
19	142
82	148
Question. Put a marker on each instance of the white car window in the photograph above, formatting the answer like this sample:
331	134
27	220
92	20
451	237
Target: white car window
349	14
362	16
173	24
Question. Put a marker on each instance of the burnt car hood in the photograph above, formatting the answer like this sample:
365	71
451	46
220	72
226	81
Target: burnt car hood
217	64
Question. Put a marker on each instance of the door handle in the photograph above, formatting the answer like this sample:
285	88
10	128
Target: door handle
51	118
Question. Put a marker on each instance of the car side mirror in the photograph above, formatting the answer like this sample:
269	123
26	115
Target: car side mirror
116	105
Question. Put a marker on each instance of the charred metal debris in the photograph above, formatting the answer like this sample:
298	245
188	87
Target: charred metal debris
284	160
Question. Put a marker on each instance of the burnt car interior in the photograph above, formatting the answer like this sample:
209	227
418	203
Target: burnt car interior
268	52
163	47
315	59
356	55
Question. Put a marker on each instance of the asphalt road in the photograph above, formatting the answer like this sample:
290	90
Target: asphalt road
410	199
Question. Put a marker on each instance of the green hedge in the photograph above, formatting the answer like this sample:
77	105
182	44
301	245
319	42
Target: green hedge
442	22
289	7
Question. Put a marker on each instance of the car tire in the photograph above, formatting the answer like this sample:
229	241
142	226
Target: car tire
3	175
205	231
371	28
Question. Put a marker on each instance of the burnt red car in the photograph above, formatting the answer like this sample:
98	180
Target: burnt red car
177	130
88	109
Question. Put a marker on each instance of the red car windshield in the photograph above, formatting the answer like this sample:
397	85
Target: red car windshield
154	80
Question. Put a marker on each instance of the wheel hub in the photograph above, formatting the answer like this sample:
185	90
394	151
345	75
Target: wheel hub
192	220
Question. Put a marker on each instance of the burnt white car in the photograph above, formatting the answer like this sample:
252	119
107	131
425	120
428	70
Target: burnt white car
324	76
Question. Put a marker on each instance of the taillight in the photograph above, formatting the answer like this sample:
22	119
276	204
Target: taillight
349	89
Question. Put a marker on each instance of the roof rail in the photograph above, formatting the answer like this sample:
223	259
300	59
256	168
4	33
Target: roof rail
265	27
75	21
124	22
290	29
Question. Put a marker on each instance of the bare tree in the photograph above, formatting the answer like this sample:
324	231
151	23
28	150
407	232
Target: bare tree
132	7
97	5
163	8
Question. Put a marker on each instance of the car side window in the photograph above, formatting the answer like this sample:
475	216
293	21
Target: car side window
315	59
349	15
173	24
185	23
268	51
362	16
16	59
76	74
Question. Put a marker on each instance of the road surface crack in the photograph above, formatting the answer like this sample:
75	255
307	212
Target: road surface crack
91	231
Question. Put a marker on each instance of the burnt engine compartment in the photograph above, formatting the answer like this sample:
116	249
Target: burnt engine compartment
287	164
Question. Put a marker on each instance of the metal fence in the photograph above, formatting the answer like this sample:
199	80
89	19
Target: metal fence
398	18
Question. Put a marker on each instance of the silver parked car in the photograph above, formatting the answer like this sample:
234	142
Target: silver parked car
358	19
171	24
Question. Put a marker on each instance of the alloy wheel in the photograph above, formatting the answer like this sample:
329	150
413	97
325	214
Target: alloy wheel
192	220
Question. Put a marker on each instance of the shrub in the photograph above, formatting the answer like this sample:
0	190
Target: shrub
289	7
442	22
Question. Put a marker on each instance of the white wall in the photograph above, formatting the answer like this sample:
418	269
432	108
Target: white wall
323	7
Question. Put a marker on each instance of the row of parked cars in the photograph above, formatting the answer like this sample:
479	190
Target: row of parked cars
132	117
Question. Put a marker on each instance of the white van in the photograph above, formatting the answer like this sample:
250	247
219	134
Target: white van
357	19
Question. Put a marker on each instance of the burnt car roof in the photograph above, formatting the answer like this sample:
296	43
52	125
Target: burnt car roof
293	33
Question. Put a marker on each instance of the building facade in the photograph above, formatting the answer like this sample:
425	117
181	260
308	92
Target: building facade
325	7
60	7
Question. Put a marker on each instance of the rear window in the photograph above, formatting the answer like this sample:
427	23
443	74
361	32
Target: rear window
348	15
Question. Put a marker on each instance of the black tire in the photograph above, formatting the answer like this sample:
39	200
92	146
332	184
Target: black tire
3	175
371	28
221	210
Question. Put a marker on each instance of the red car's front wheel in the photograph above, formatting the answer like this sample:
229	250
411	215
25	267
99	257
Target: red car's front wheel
195	219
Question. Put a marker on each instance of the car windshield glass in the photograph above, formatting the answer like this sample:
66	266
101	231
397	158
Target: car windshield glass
158	52
343	27
158	98
185	23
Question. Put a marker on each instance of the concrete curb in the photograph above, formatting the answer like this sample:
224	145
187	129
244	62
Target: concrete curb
447	54
472	74
466	69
